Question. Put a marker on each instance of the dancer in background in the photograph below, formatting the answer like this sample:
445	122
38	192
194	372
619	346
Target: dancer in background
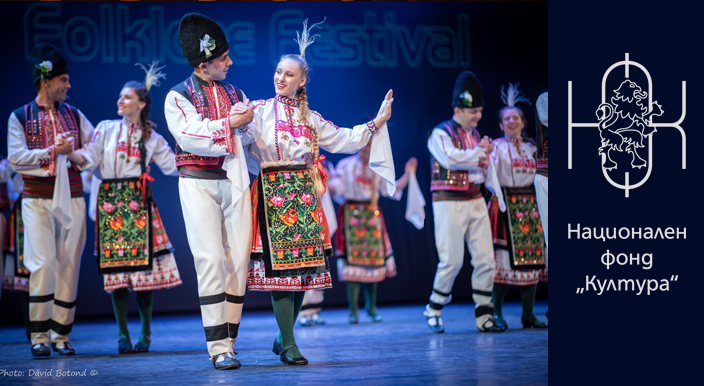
518	232
459	167
365	256
134	252
541	173
44	141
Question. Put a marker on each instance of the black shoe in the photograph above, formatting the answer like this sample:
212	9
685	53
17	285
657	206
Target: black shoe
66	350
124	345
532	321
278	348
300	361
491	326
229	363
142	344
499	320
40	350
436	326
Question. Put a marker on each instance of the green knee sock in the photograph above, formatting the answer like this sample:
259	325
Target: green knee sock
120	301
24	303
528	300
284	310
297	303
353	296
497	297
145	301
370	290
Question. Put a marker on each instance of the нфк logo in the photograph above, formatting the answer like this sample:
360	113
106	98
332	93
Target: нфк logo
625	122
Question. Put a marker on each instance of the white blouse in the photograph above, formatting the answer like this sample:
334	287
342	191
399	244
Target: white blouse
514	161
285	141
115	147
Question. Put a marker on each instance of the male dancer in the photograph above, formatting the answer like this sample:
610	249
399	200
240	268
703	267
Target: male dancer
42	136
459	167
213	183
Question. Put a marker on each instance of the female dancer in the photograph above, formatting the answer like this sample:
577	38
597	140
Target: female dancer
518	233
364	252
133	249
290	229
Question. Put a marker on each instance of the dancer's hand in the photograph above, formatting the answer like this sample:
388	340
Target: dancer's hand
385	112
487	144
243	118
411	165
64	145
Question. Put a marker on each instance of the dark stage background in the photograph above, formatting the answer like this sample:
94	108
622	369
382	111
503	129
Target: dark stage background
417	49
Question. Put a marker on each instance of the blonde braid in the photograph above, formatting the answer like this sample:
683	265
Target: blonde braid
303	118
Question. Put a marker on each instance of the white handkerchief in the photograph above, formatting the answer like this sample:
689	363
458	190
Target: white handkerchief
492	183
61	203
236	167
381	161
415	205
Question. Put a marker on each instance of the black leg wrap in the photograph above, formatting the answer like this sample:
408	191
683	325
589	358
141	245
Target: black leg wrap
483	310
64	304
234	298
40	326
441	293
233	328
61	329
216	332
41	299
478	292
212	299
436	306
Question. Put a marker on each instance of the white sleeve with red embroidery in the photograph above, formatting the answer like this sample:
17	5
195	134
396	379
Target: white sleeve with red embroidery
451	158
340	139
86	136
37	162
194	134
163	156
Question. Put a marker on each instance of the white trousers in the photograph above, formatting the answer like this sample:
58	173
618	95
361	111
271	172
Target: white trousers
311	302
220	238
52	254
457	222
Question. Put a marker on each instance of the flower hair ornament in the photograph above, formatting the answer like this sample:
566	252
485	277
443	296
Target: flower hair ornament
513	95
467	98
304	39
207	44
45	68
154	74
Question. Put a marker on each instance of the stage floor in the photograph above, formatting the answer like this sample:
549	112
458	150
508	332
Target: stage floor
400	351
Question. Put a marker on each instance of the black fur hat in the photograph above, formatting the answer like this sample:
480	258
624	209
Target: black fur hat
467	91
46	62
192	32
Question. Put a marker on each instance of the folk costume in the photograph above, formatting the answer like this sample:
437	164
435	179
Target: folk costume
541	173
518	232
13	272
213	186
53	208
364	252
133	249
459	167
291	236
